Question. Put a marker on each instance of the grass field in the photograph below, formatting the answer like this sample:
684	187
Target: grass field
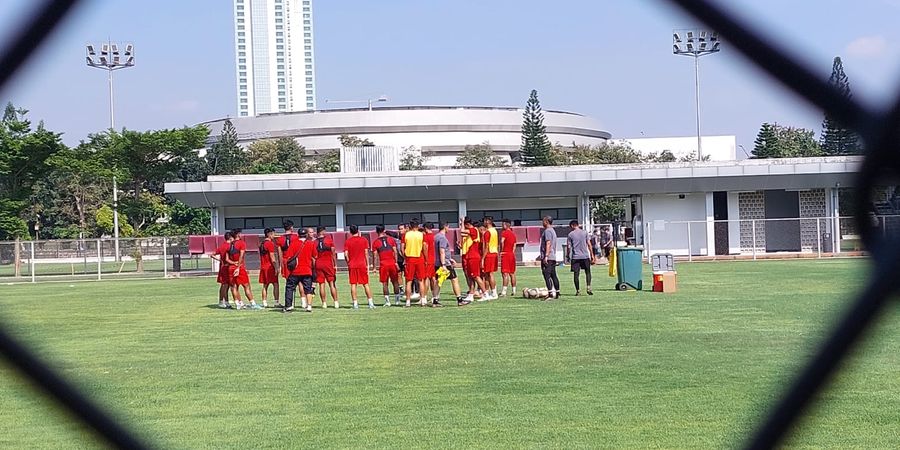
693	369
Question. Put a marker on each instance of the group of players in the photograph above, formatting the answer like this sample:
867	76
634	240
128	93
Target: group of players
412	263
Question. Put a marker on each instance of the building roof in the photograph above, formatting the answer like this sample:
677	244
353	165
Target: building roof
562	181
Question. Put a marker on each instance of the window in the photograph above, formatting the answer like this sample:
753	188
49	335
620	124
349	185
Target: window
242	47
306	22
279	41
310	105
242	60
308	54
307	29
243	100
240	33
240	14
240	20
240	27
307	47
309	86
280	74
243	114
279	27
281	60
243	106
234	223
242	53
307	35
278	13
309	79
282	93
309	99
241	41
309	66
281	67
242	80
243	74
281	80
308	72
279	47
279	20
242	67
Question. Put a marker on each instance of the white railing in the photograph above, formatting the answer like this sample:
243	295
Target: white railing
370	160
759	238
96	259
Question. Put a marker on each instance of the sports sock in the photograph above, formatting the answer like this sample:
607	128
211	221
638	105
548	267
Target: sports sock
371	302
337	305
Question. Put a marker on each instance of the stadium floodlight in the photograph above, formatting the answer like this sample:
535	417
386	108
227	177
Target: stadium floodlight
110	60
696	43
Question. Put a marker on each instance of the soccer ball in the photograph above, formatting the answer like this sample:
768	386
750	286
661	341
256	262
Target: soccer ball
415	296
529	293
543	293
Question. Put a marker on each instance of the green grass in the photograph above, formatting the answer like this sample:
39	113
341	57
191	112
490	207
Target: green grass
693	369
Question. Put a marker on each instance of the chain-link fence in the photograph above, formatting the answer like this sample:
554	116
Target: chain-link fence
96	259
761	238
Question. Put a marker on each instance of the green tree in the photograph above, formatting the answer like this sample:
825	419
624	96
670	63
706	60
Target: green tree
225	156
283	155
536	148
663	156
412	158
777	141
144	162
105	222
608	209
23	163
837	139
479	156
328	162
354	141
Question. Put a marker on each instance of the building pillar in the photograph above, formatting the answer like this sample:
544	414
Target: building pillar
339	217
584	212
834	211
463	208
710	225
217	220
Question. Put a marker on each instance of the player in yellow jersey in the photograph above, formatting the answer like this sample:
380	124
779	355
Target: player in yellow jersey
490	258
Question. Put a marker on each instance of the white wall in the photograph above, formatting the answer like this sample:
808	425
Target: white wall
673	238
718	148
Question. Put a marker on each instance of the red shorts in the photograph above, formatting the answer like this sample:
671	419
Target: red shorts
268	276
240	279
325	274
508	263
430	270
388	272
473	267
223	277
415	269
490	263
359	276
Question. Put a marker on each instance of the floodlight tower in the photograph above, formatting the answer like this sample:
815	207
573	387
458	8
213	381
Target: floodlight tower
696	43
110	59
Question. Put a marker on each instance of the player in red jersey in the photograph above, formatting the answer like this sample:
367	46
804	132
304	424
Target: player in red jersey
430	269
471	251
356	253
283	242
490	259
223	277
508	257
268	275
386	248
326	267
307	267
291	266
236	257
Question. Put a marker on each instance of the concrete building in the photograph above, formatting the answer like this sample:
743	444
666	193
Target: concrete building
275	66
689	209
439	131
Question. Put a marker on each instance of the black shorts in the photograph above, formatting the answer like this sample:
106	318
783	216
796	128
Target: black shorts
581	264
450	269
307	282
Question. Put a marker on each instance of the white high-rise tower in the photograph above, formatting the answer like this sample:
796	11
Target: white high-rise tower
274	54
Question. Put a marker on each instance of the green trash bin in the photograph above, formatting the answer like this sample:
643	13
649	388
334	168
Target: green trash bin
630	268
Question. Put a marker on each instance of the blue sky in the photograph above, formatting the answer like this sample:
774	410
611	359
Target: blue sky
609	59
